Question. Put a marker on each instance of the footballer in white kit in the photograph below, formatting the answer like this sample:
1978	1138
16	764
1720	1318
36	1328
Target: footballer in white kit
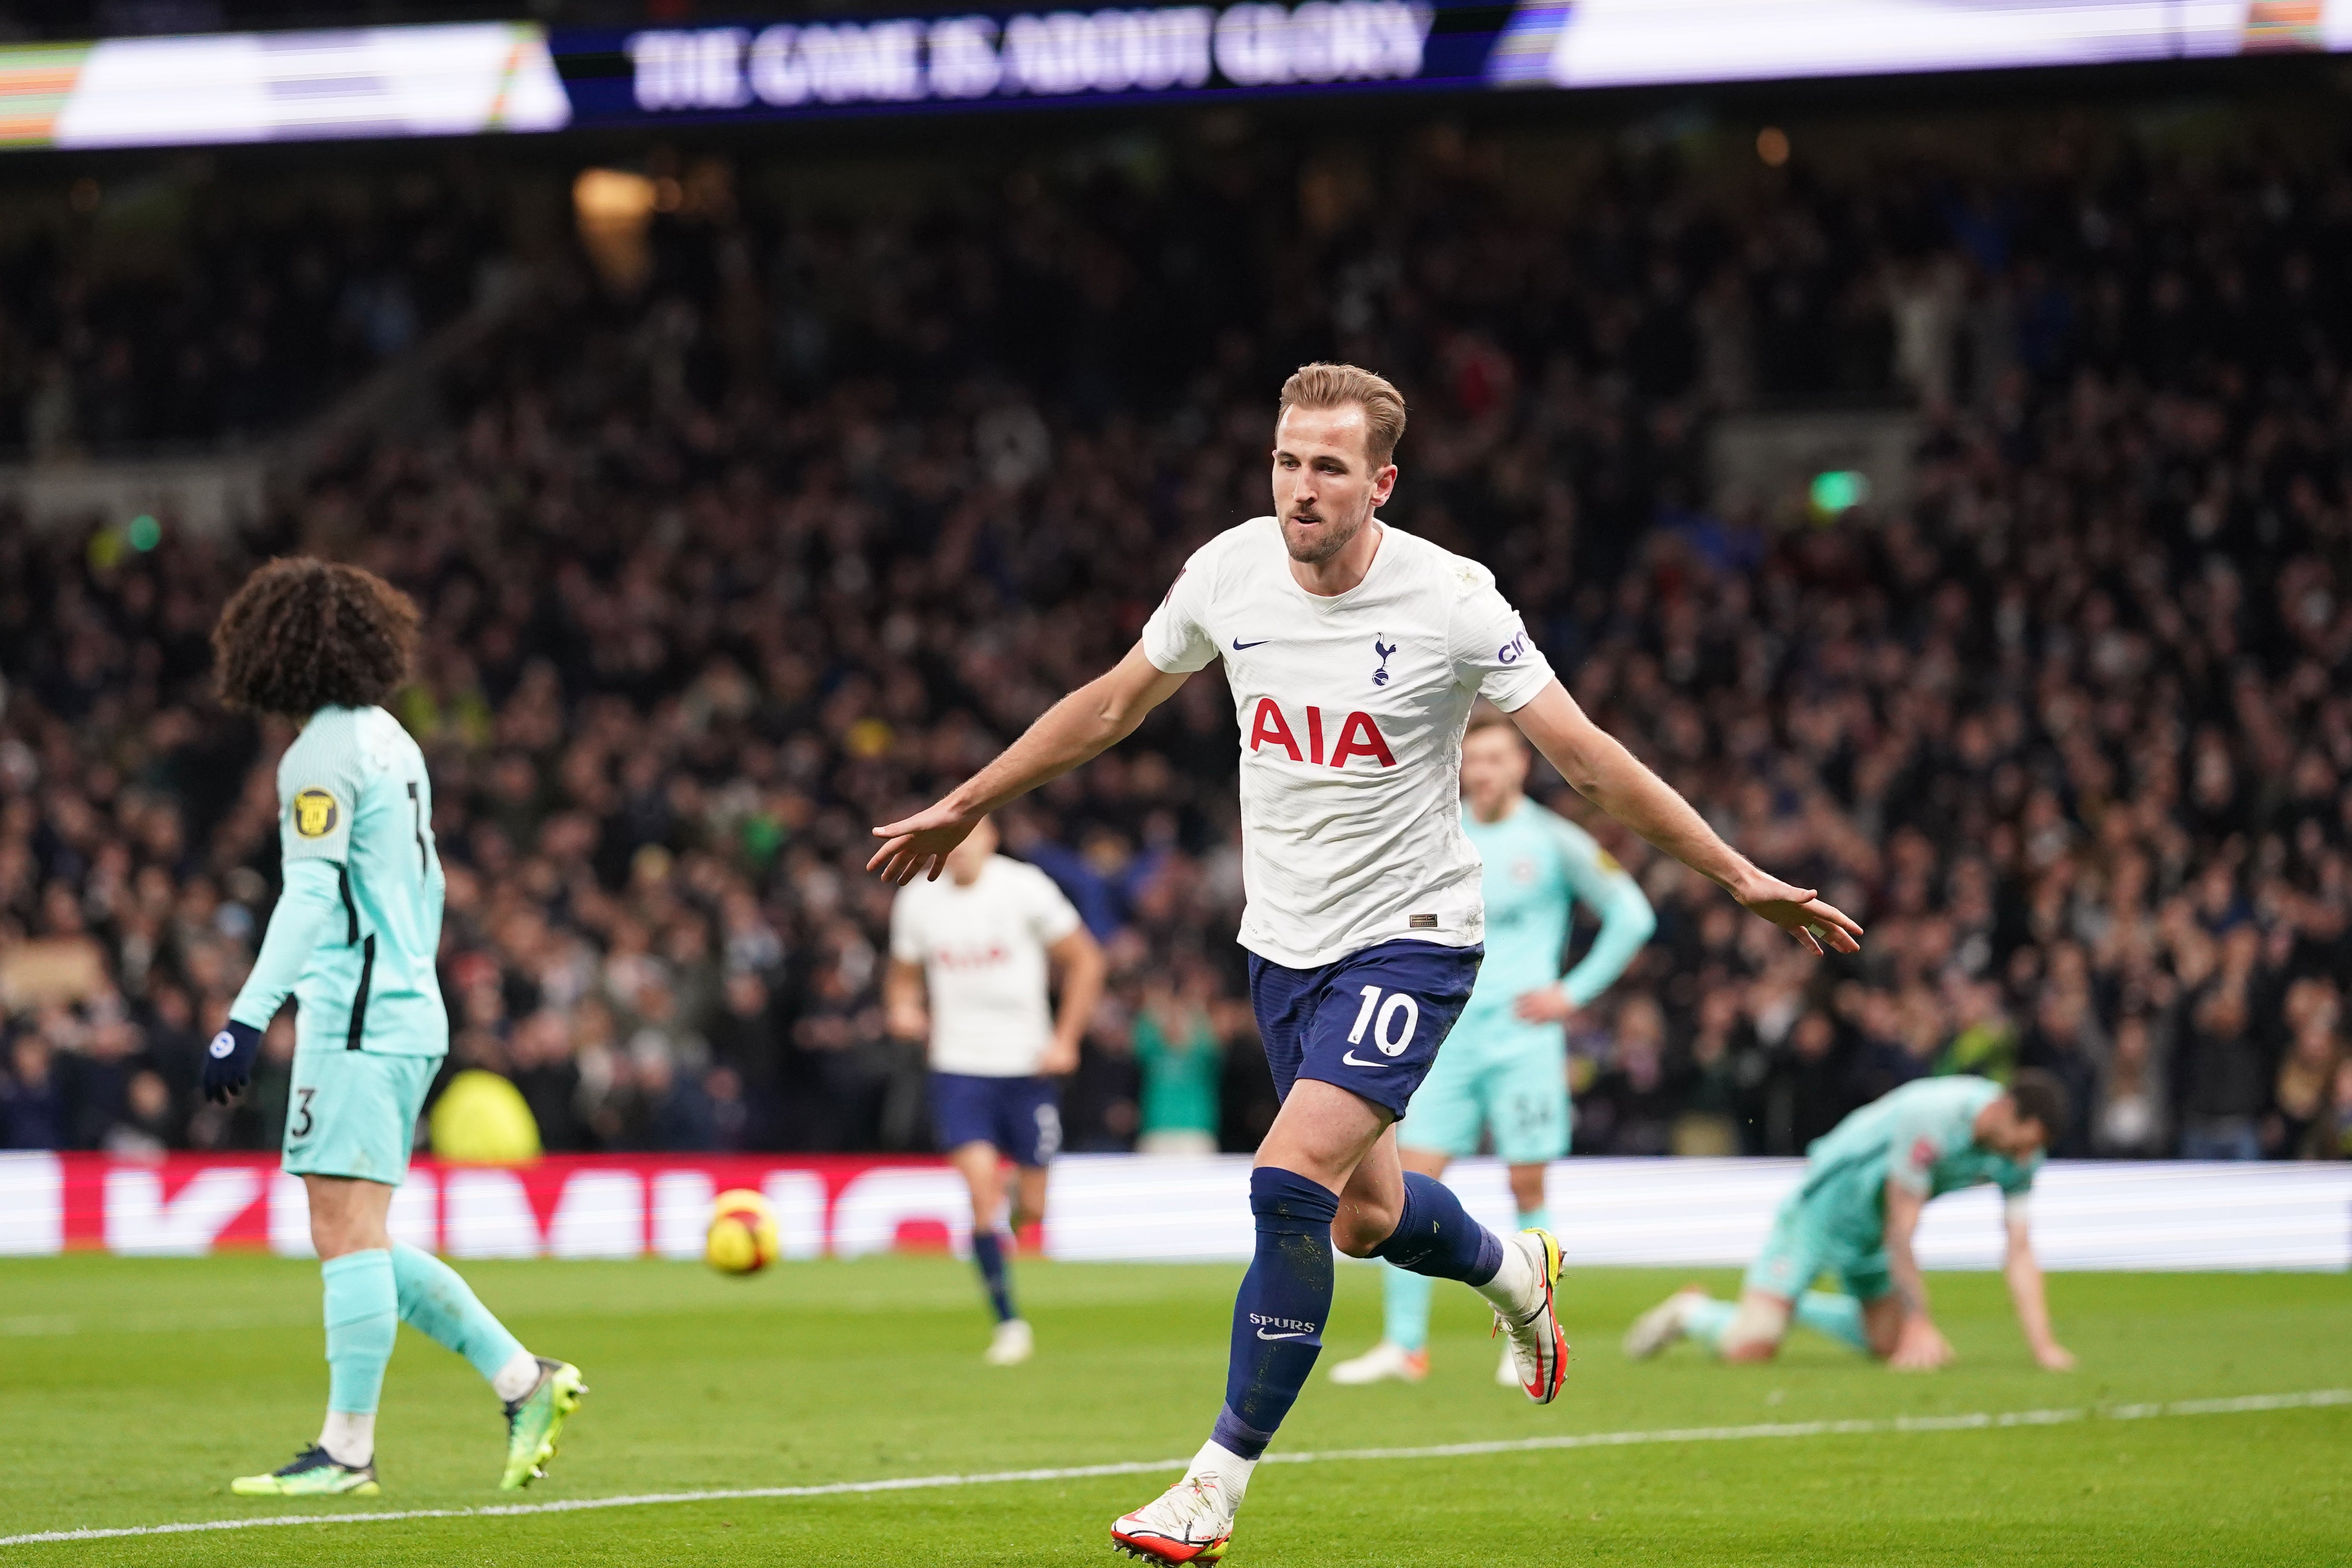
969	969
1354	652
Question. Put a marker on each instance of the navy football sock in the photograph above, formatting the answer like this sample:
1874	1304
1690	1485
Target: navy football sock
988	1251
1436	1236
1279	1315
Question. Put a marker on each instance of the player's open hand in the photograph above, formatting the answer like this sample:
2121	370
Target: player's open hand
919	843
1921	1347
1545	1004
1821	927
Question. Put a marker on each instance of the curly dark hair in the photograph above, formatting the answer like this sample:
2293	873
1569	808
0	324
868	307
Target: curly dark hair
304	635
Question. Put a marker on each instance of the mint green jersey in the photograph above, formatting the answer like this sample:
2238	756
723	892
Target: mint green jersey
1922	1137
361	914
1536	865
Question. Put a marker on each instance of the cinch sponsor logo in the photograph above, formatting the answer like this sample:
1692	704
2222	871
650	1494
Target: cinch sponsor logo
1512	651
1357	735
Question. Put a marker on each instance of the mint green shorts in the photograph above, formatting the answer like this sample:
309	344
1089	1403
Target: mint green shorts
353	1113
1495	1075
1804	1246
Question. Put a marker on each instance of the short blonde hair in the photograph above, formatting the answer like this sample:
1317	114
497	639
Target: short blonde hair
1320	385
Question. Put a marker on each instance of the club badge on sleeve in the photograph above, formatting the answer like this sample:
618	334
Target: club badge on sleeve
315	813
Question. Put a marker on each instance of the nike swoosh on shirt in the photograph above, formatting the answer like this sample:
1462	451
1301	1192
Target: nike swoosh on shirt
1294	1335
1239	644
1352	1060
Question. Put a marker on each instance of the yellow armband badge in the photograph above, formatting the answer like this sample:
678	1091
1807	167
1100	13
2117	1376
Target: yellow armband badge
316	813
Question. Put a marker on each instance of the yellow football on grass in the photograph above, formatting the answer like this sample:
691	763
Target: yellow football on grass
742	1237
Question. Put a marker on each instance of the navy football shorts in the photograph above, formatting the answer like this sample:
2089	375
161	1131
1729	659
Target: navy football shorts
1021	1116
1370	1022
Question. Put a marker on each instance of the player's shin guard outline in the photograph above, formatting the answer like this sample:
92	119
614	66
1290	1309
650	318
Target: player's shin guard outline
1280	1312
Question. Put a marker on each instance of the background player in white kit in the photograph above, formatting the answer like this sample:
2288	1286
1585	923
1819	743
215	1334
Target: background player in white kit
978	941
1354	652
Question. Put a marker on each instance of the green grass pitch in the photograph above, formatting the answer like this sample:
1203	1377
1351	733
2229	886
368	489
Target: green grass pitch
132	1390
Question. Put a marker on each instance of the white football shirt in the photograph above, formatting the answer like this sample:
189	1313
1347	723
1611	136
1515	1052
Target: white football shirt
982	949
1352	709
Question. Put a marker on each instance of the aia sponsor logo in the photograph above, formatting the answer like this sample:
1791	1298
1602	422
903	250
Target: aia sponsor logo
1352	737
994	953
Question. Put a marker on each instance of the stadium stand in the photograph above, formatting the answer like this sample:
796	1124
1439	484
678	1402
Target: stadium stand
733	544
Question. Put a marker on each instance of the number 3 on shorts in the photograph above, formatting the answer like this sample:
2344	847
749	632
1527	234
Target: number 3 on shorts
1381	1019
302	1128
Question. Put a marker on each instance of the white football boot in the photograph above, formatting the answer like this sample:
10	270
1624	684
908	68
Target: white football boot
1191	1521
1538	1349
1012	1344
1385	1363
1506	1376
1662	1324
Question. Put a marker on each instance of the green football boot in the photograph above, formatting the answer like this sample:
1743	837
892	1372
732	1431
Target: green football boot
314	1472
534	1421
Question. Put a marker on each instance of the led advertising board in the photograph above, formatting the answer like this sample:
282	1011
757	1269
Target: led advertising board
464	80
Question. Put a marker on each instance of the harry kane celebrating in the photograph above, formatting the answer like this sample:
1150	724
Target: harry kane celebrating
1354	652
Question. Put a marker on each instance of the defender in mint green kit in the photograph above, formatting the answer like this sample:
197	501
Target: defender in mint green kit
1503	1072
1852	1215
353	940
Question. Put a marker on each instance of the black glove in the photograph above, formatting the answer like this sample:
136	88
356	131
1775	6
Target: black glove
228	1060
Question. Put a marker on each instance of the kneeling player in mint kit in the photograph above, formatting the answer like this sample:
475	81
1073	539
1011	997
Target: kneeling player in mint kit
1853	1217
1504	1071
353	939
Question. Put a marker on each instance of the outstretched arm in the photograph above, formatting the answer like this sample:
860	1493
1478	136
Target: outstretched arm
1921	1346
2023	1271
1613	779
1087	722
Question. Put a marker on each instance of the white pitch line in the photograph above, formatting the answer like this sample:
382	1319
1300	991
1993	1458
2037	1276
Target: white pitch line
1971	1422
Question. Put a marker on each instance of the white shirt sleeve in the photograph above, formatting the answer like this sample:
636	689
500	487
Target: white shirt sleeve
1492	652
1176	639
1050	914
906	927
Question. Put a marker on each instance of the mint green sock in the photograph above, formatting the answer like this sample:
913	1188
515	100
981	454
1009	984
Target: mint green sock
362	1312
1535	1219
435	1301
1405	1299
1837	1315
1705	1320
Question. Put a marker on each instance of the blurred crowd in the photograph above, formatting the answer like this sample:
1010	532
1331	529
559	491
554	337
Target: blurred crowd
163	315
730	551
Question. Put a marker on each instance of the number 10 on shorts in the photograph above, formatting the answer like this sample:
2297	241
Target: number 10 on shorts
1381	1017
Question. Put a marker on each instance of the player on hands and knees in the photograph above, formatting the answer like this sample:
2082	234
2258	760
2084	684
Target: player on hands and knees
979	940
1354	652
1855	1214
1504	1071
353	938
